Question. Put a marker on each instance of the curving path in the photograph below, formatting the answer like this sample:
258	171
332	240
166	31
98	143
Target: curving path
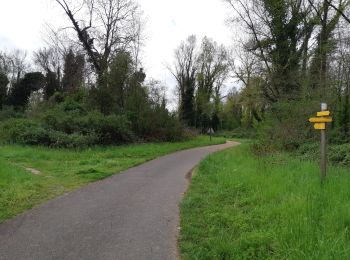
133	215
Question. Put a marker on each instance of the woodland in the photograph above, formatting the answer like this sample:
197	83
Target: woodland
87	86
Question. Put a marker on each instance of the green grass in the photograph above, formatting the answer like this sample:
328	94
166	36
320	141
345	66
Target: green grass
63	170
274	207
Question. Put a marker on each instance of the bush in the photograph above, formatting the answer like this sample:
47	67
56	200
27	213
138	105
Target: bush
156	124
340	154
9	112
64	121
72	118
167	129
25	131
21	131
75	140
112	129
70	123
285	125
239	132
337	154
309	151
71	129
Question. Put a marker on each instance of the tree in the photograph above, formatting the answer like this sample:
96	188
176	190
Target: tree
104	28
121	70
52	85
279	32
21	90
213	69
73	72
6	64
328	21
156	93
184	71
250	98
49	61
339	9
3	88
231	113
137	102
13	64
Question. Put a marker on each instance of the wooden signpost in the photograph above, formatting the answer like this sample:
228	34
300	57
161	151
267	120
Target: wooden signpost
320	121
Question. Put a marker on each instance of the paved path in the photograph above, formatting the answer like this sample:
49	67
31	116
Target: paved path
133	215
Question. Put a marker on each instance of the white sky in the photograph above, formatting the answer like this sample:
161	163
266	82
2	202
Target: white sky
168	23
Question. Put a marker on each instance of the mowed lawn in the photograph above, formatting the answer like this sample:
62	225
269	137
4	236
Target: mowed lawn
32	175
243	207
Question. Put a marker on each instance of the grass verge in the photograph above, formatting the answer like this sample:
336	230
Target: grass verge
62	170
274	207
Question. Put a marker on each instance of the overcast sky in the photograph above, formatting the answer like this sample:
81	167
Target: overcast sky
168	23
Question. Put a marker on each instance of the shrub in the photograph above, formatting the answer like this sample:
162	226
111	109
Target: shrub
309	151
155	123
171	131
68	129
19	130
340	154
65	121
239	132
285	125
337	153
9	112
70	123
112	129
75	140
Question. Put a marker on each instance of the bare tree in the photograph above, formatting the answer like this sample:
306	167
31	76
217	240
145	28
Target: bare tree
136	45
184	71
48	59
13	64
247	67
156	93
103	28
340	8
213	68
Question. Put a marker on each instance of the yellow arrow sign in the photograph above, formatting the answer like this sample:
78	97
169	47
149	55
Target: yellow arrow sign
320	120
324	113
320	126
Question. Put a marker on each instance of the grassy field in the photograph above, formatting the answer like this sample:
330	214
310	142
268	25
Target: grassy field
243	207
58	170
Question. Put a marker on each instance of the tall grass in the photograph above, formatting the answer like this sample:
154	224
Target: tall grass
274	207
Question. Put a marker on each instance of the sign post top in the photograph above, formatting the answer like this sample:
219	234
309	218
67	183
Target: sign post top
211	131
324	106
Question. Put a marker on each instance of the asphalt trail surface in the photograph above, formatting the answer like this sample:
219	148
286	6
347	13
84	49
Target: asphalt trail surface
132	215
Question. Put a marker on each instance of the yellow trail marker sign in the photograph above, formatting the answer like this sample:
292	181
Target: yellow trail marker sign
320	120
324	113
320	126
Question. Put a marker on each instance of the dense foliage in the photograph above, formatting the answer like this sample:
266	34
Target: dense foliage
294	56
73	121
44	109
